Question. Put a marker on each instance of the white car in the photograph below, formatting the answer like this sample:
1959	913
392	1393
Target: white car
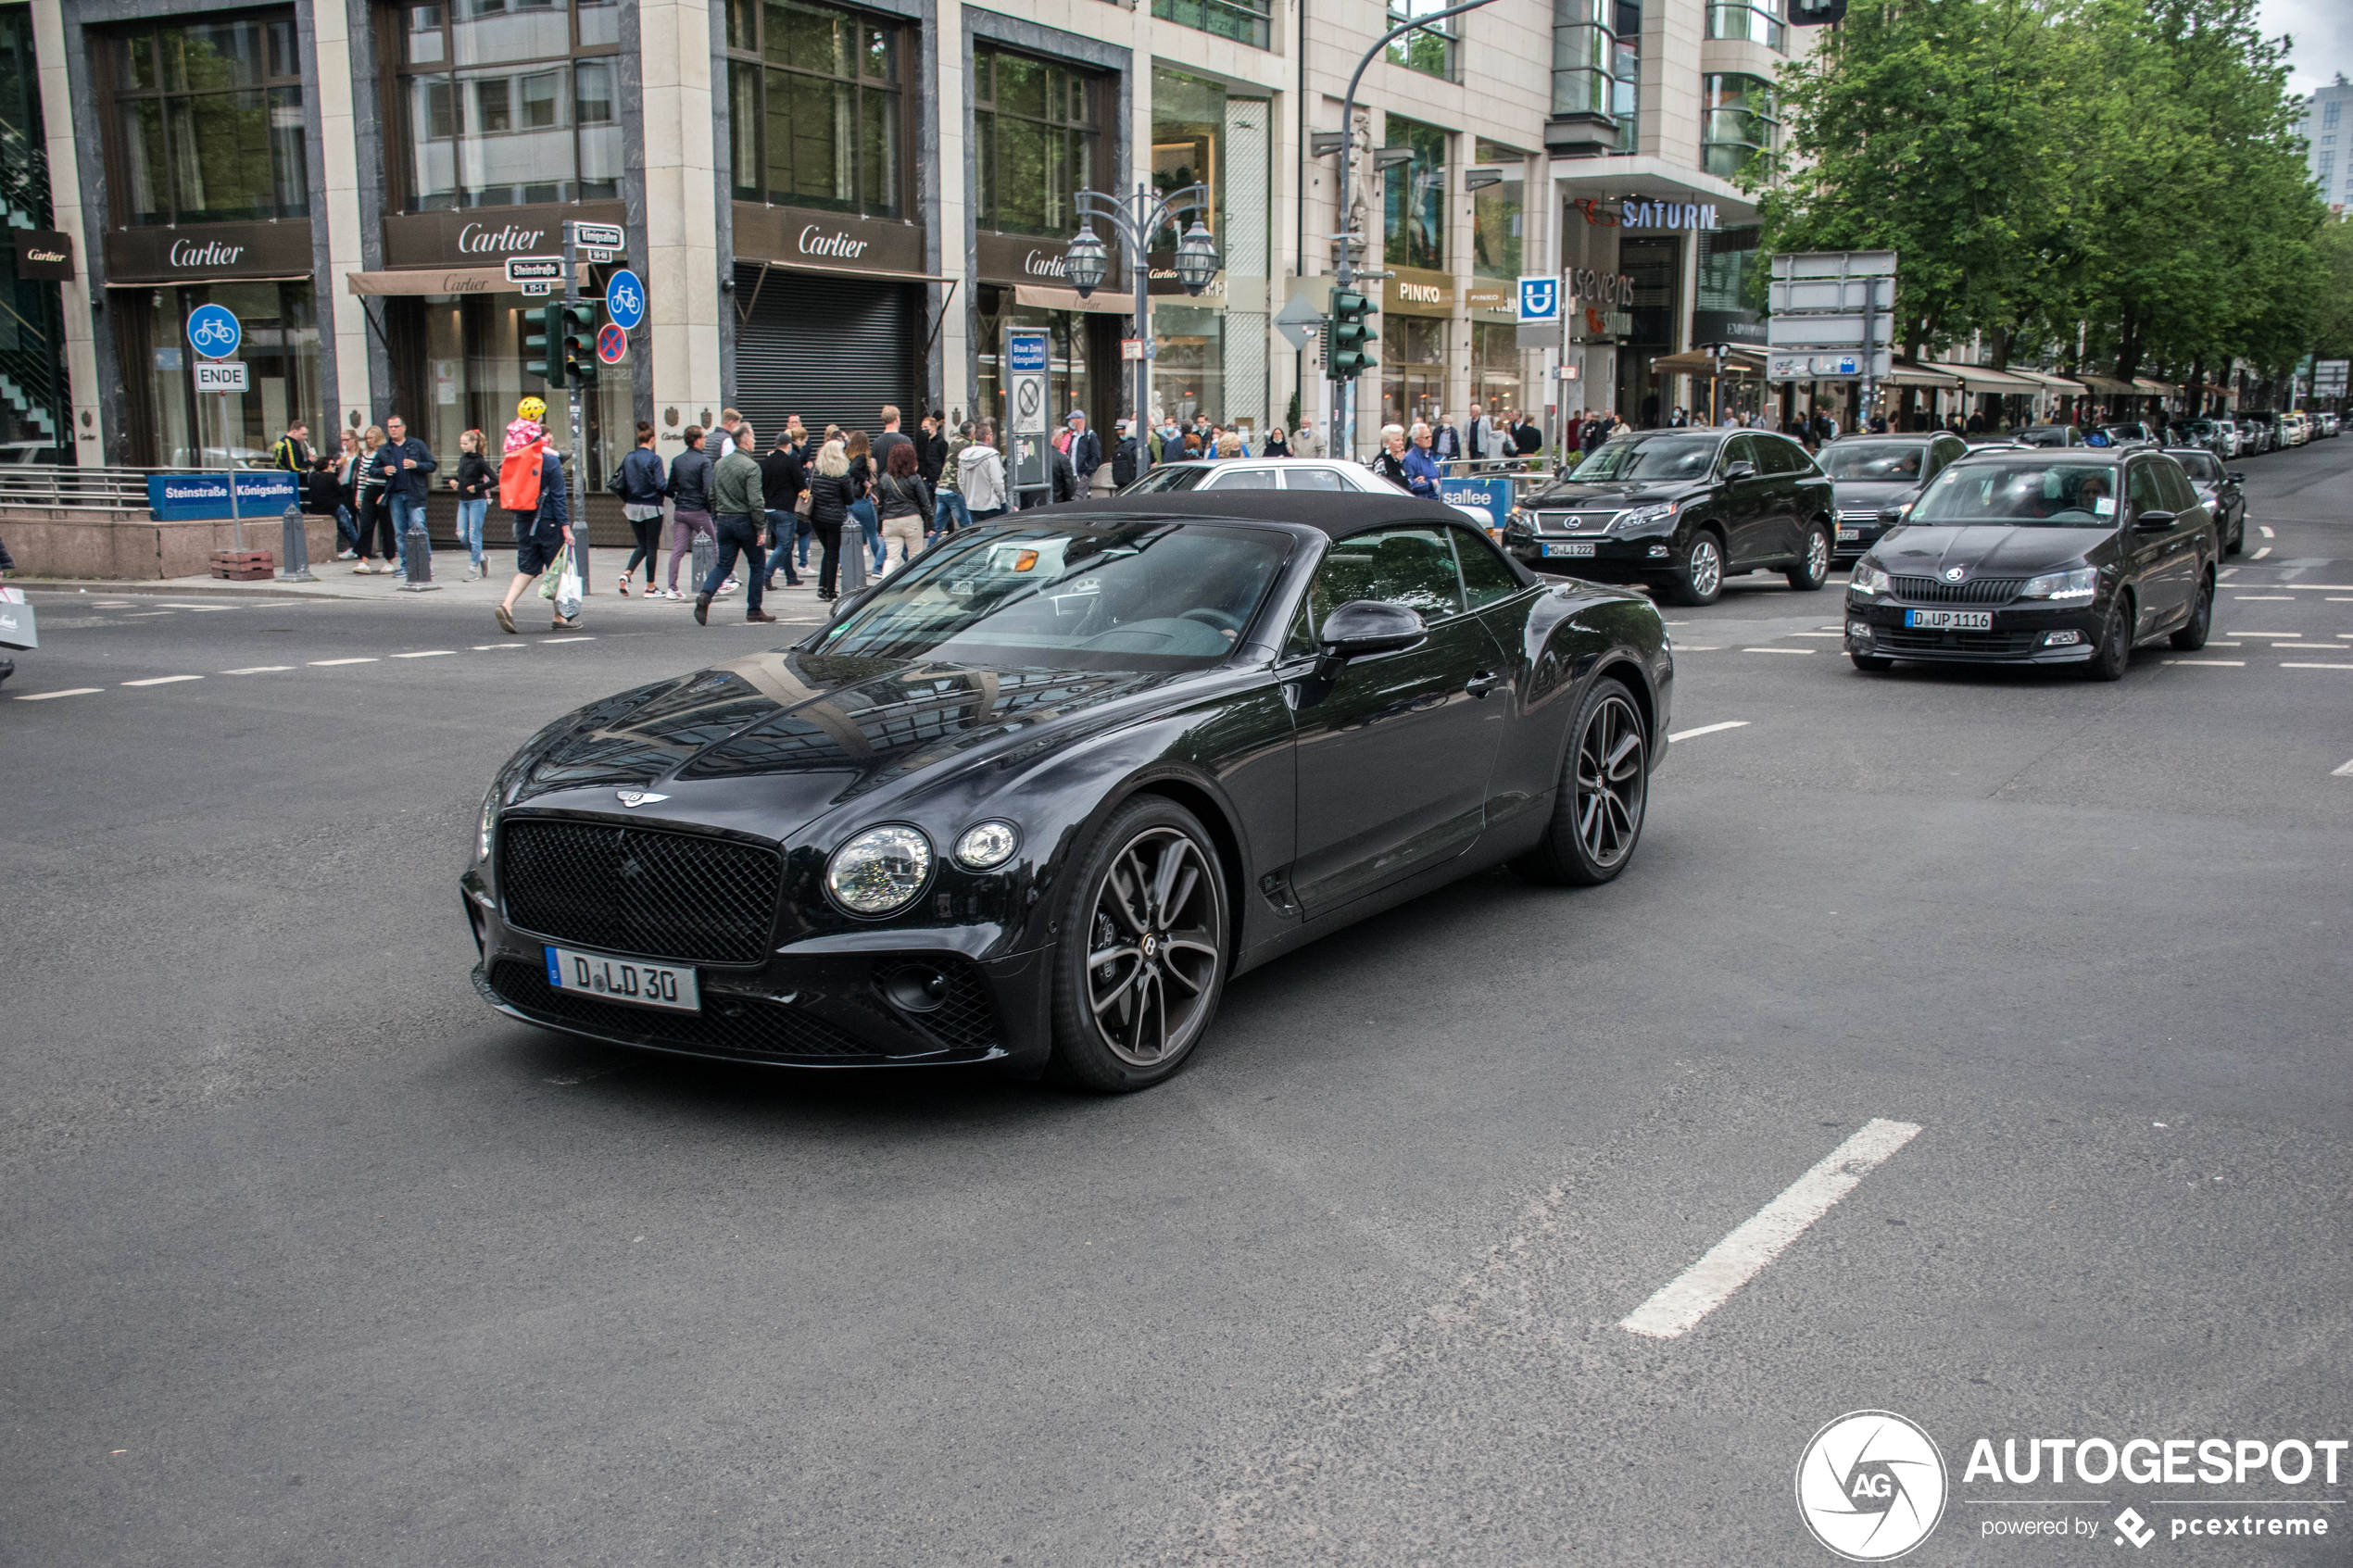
1280	474
2295	430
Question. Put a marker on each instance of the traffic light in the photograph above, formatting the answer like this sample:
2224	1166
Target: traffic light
543	345
1351	333
580	343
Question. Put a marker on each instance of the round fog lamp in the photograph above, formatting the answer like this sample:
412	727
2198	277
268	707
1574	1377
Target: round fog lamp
986	845
880	871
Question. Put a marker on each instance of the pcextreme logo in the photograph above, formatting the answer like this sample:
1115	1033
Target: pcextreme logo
1870	1486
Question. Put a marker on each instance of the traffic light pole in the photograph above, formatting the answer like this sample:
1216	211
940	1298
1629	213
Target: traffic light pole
1344	268
576	482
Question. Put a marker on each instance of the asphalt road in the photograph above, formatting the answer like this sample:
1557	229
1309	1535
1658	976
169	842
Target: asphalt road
312	1259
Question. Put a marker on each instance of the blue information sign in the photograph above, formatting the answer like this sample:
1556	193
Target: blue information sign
1494	495
1027	350
213	329
1540	300
626	300
261	492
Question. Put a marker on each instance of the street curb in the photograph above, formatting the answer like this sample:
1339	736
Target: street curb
147	586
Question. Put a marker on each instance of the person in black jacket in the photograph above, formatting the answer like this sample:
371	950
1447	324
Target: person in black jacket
905	502
830	493
1065	476
643	484
473	484
931	449
781	483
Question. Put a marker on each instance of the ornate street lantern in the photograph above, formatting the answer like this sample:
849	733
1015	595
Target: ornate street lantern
1085	261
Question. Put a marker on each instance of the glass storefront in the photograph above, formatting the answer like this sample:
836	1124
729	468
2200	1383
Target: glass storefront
1069	384
1655	265
1413	367
1212	354
458	366
217	430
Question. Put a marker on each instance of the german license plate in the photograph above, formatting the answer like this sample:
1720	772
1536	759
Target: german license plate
1575	548
624	980
1950	620
1850	534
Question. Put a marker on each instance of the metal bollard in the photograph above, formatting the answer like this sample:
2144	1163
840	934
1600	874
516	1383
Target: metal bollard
704	552
851	568
294	548
419	554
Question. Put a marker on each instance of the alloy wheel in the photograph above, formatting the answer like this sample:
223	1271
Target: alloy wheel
1156	939
1818	556
1610	782
1707	568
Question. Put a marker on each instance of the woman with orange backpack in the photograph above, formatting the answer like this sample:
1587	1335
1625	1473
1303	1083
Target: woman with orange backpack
530	485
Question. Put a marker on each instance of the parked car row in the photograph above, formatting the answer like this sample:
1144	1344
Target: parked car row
2248	435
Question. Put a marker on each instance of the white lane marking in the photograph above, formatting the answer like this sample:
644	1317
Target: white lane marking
2267	532
163	680
1737	1259
147	615
1840	633
2260	554
2344	772
2337	600
1781	650
325	663
2218	643
2264	598
70	691
109	604
2235	631
1707	730
201	609
2218	663
552	642
2304	648
1701	647
2287	664
431	653
258	670
494	648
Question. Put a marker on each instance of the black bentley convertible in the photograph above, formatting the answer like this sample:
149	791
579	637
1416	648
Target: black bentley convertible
1039	796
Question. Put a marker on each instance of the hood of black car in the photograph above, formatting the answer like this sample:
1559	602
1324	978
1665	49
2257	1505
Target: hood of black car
779	738
1860	492
1639	494
1985	550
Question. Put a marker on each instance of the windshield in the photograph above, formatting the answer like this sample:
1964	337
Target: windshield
2020	494
2044	436
1890	461
1173	476
1144	596
2201	465
1665	457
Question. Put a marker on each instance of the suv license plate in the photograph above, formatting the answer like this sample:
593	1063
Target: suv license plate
1950	620
624	980
1850	534
1573	547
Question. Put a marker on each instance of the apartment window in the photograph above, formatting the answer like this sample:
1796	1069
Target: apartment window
1499	214
2328	171
816	106
1414	213
1432	50
208	123
1244	21
1759	21
1738	121
1597	61
2328	113
1037	133
507	103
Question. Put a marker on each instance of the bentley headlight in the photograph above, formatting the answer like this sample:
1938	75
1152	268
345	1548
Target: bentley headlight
986	845
489	824
1643	517
879	870
2081	583
1868	580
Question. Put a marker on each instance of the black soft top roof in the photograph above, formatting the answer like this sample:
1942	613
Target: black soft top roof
1337	513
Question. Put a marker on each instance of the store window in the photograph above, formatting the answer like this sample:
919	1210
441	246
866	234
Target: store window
1070	336
1433	50
1244	21
207	123
1597	61
1495	369
1728	262
1499	214
1414	210
1758	21
1036	135
1413	367
1738	121
184	428
459	365
507	103
816	106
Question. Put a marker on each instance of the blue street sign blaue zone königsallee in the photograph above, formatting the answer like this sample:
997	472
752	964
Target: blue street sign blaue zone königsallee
1539	299
214	331
1026	350
626	300
262	494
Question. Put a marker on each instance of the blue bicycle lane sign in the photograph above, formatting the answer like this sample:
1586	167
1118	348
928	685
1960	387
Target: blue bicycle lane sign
213	329
626	300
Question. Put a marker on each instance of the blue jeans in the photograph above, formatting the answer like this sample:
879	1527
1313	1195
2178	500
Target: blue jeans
404	509
780	532
870	524
469	516
347	528
949	511
739	533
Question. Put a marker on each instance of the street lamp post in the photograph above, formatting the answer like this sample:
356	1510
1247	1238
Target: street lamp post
1134	220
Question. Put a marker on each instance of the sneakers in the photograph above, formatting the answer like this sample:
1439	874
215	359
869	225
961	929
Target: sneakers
729	586
346	555
621	587
560	624
506	618
362	569
702	610
758	615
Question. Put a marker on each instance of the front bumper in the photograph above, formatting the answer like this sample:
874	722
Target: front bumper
1855	535
2022	632
1641	558
819	1003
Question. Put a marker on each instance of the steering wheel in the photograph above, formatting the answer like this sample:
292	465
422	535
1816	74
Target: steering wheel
1223	622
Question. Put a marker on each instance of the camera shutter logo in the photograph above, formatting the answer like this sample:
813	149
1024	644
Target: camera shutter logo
1872	1485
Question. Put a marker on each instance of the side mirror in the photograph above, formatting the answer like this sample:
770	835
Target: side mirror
1741	470
1363	627
2151	521
2235	477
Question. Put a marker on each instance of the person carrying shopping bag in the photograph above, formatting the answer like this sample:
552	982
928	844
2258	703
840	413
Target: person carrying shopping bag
689	493
531	489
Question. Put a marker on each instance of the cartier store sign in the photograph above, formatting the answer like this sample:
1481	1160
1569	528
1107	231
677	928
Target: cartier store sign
199	252
1026	259
486	236
828	242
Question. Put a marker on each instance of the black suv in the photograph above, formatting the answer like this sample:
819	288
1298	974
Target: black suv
1876	478
1682	510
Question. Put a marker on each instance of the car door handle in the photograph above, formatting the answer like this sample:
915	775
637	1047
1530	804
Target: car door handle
1484	682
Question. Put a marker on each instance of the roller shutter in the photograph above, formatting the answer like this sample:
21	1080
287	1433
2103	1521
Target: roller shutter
831	349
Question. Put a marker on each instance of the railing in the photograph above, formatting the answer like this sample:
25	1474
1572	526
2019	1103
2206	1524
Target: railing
63	488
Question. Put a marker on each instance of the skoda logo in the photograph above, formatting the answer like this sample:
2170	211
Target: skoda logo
1955	574
1870	1486
636	797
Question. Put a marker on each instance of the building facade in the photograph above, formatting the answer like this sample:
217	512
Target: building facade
834	205
2326	126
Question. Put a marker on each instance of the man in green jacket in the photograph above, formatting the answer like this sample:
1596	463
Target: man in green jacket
737	507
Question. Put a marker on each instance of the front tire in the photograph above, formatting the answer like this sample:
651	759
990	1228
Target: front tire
1814	567
2192	638
1143	957
1702	582
2114	651
1599	806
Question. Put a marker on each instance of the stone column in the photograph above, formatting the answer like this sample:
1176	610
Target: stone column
683	260
87	440
952	237
343	321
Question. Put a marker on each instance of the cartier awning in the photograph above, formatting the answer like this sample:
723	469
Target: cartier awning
1038	297
441	280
